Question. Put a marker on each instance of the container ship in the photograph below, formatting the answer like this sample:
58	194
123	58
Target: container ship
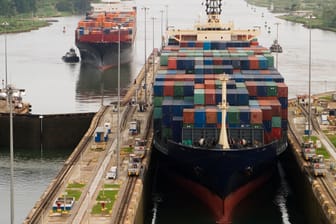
220	112
97	36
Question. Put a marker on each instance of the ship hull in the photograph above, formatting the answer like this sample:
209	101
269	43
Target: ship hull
220	179
104	55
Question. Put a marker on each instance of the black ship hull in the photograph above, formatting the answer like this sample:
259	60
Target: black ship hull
104	55
220	178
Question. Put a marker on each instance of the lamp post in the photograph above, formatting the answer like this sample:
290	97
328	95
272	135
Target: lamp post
118	116
162	42
5	24
277	38
10	90
166	17
145	87
153	19
309	66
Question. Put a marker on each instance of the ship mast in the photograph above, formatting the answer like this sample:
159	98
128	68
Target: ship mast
223	139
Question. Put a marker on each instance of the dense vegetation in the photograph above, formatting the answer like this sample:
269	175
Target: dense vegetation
25	15
9	8
322	10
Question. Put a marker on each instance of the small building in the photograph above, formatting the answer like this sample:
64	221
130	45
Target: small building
101	134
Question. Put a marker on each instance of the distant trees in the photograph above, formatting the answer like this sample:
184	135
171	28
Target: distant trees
328	14
13	7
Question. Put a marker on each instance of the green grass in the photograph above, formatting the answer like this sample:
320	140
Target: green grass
20	24
127	149
332	138
74	193
107	195
111	185
76	185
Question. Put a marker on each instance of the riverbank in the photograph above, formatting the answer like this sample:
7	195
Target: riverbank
298	13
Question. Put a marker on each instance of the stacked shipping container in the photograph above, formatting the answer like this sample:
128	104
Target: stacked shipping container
103	27
187	91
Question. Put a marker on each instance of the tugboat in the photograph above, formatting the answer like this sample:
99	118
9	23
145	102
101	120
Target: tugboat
276	48
71	56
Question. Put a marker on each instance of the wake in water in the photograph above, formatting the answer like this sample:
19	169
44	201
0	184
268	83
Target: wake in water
282	194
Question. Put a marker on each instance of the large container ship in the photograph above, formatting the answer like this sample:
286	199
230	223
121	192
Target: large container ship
220	111
98	37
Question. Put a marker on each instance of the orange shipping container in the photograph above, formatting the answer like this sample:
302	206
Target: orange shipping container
188	116
210	96
211	115
254	63
199	86
256	116
282	90
168	89
172	64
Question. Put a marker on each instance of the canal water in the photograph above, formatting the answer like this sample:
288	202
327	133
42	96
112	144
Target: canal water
34	63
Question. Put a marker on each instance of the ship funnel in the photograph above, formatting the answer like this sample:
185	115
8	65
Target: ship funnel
223	139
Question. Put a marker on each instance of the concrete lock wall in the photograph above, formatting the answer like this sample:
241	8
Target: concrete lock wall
57	131
302	188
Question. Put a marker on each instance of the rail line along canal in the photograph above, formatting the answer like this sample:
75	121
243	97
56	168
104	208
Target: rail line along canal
83	180
314	154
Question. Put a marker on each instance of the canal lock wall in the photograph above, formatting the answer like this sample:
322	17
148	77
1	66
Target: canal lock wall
309	196
50	132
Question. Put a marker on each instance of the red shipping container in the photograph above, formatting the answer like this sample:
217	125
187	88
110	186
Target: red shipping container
256	116
217	61
276	133
183	44
199	44
254	62
284	114
211	115
251	88
235	71
209	84
273	102
188	116
168	89
266	113
210	96
172	63
282	90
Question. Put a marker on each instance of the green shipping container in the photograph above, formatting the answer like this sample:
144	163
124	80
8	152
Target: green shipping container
157	113
272	89
270	60
276	122
158	101
178	88
199	98
233	115
164	59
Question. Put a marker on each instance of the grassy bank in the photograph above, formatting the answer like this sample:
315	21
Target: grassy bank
289	7
26	22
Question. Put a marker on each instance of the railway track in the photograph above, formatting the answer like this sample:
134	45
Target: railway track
323	181
125	201
43	205
123	208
